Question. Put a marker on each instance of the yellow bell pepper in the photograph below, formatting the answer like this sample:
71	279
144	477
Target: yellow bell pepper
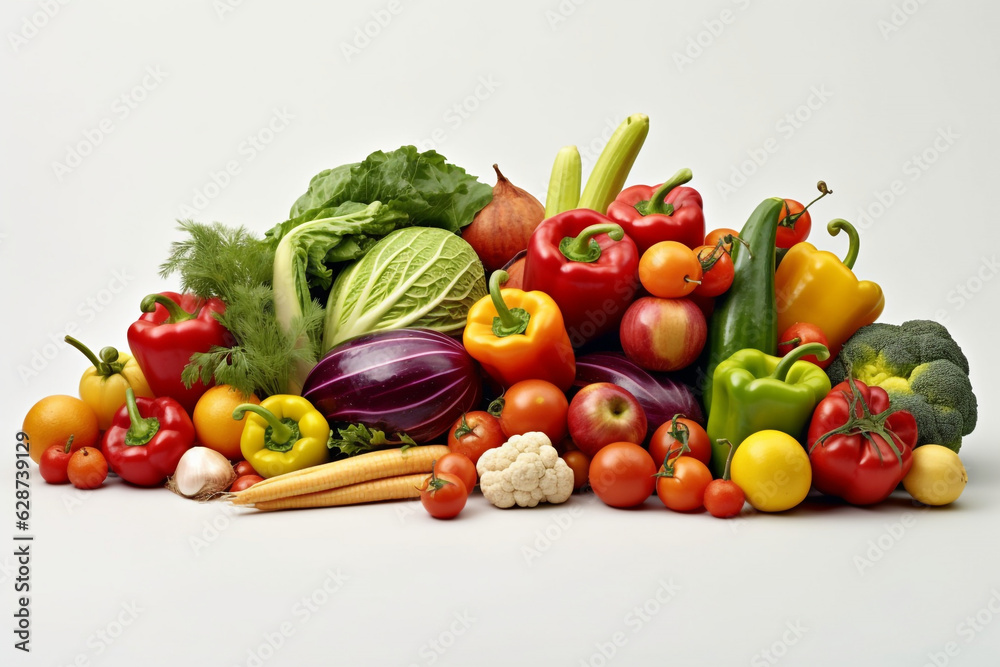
283	434
103	385
815	286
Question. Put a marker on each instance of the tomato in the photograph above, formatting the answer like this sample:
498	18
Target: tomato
444	495
245	482
474	433
716	235
674	434
579	463
684	489
534	405
723	499
244	468
87	468
794	224
54	462
460	466
801	333
622	474
669	270
717	270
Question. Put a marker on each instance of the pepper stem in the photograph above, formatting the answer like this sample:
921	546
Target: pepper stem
656	203
107	365
834	228
729	459
509	321
584	248
177	314
281	432
789	221
141	429
781	370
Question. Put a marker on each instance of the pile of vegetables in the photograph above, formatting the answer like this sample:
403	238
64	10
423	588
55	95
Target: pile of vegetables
410	331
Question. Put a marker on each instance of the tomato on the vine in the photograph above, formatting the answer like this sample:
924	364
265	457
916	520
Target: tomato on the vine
717	270
443	496
622	474
460	466
669	270
244	482
681	484
801	333
723	498
534	405
681	437
716	235
473	433
794	221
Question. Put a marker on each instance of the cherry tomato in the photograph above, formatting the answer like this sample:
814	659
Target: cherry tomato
723	499
534	405
716	235
87	468
244	468
474	433
622	474
444	495
684	489
579	463
673	435
54	461
801	333
794	224
245	482
460	466
717	270
669	270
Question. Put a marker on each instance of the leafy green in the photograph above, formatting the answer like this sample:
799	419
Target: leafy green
232	264
414	277
358	439
423	186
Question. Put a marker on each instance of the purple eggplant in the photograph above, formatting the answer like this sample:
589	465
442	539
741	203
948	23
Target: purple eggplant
413	381
660	396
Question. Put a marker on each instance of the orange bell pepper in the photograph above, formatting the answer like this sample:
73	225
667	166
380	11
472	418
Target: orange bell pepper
814	286
518	335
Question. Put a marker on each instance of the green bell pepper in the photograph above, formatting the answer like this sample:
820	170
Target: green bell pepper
753	391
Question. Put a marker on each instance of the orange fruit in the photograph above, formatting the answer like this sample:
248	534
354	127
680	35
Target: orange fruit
214	425
52	420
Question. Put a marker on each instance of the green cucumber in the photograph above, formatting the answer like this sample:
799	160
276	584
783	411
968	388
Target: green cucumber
746	316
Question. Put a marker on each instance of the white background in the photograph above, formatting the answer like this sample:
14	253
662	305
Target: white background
410	590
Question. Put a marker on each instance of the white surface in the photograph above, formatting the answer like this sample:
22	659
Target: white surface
66	244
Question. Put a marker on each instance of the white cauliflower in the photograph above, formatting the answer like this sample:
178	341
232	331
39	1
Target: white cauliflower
524	471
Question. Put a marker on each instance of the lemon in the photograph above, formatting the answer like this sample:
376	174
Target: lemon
937	476
773	470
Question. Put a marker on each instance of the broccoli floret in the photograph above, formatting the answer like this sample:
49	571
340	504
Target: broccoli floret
922	369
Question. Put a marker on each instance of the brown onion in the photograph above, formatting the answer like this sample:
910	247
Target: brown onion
502	229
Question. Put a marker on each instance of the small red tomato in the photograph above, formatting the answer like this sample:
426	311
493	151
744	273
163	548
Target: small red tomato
723	499
622	474
681	486
717	270
443	496
54	462
534	405
801	333
244	468
579	463
794	221
474	433
720	234
87	468
673	435
245	482
460	466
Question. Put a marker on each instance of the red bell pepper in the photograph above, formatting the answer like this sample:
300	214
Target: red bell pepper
590	268
859	447
666	212
173	328
147	438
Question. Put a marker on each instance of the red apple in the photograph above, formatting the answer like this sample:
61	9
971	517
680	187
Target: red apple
602	413
663	334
